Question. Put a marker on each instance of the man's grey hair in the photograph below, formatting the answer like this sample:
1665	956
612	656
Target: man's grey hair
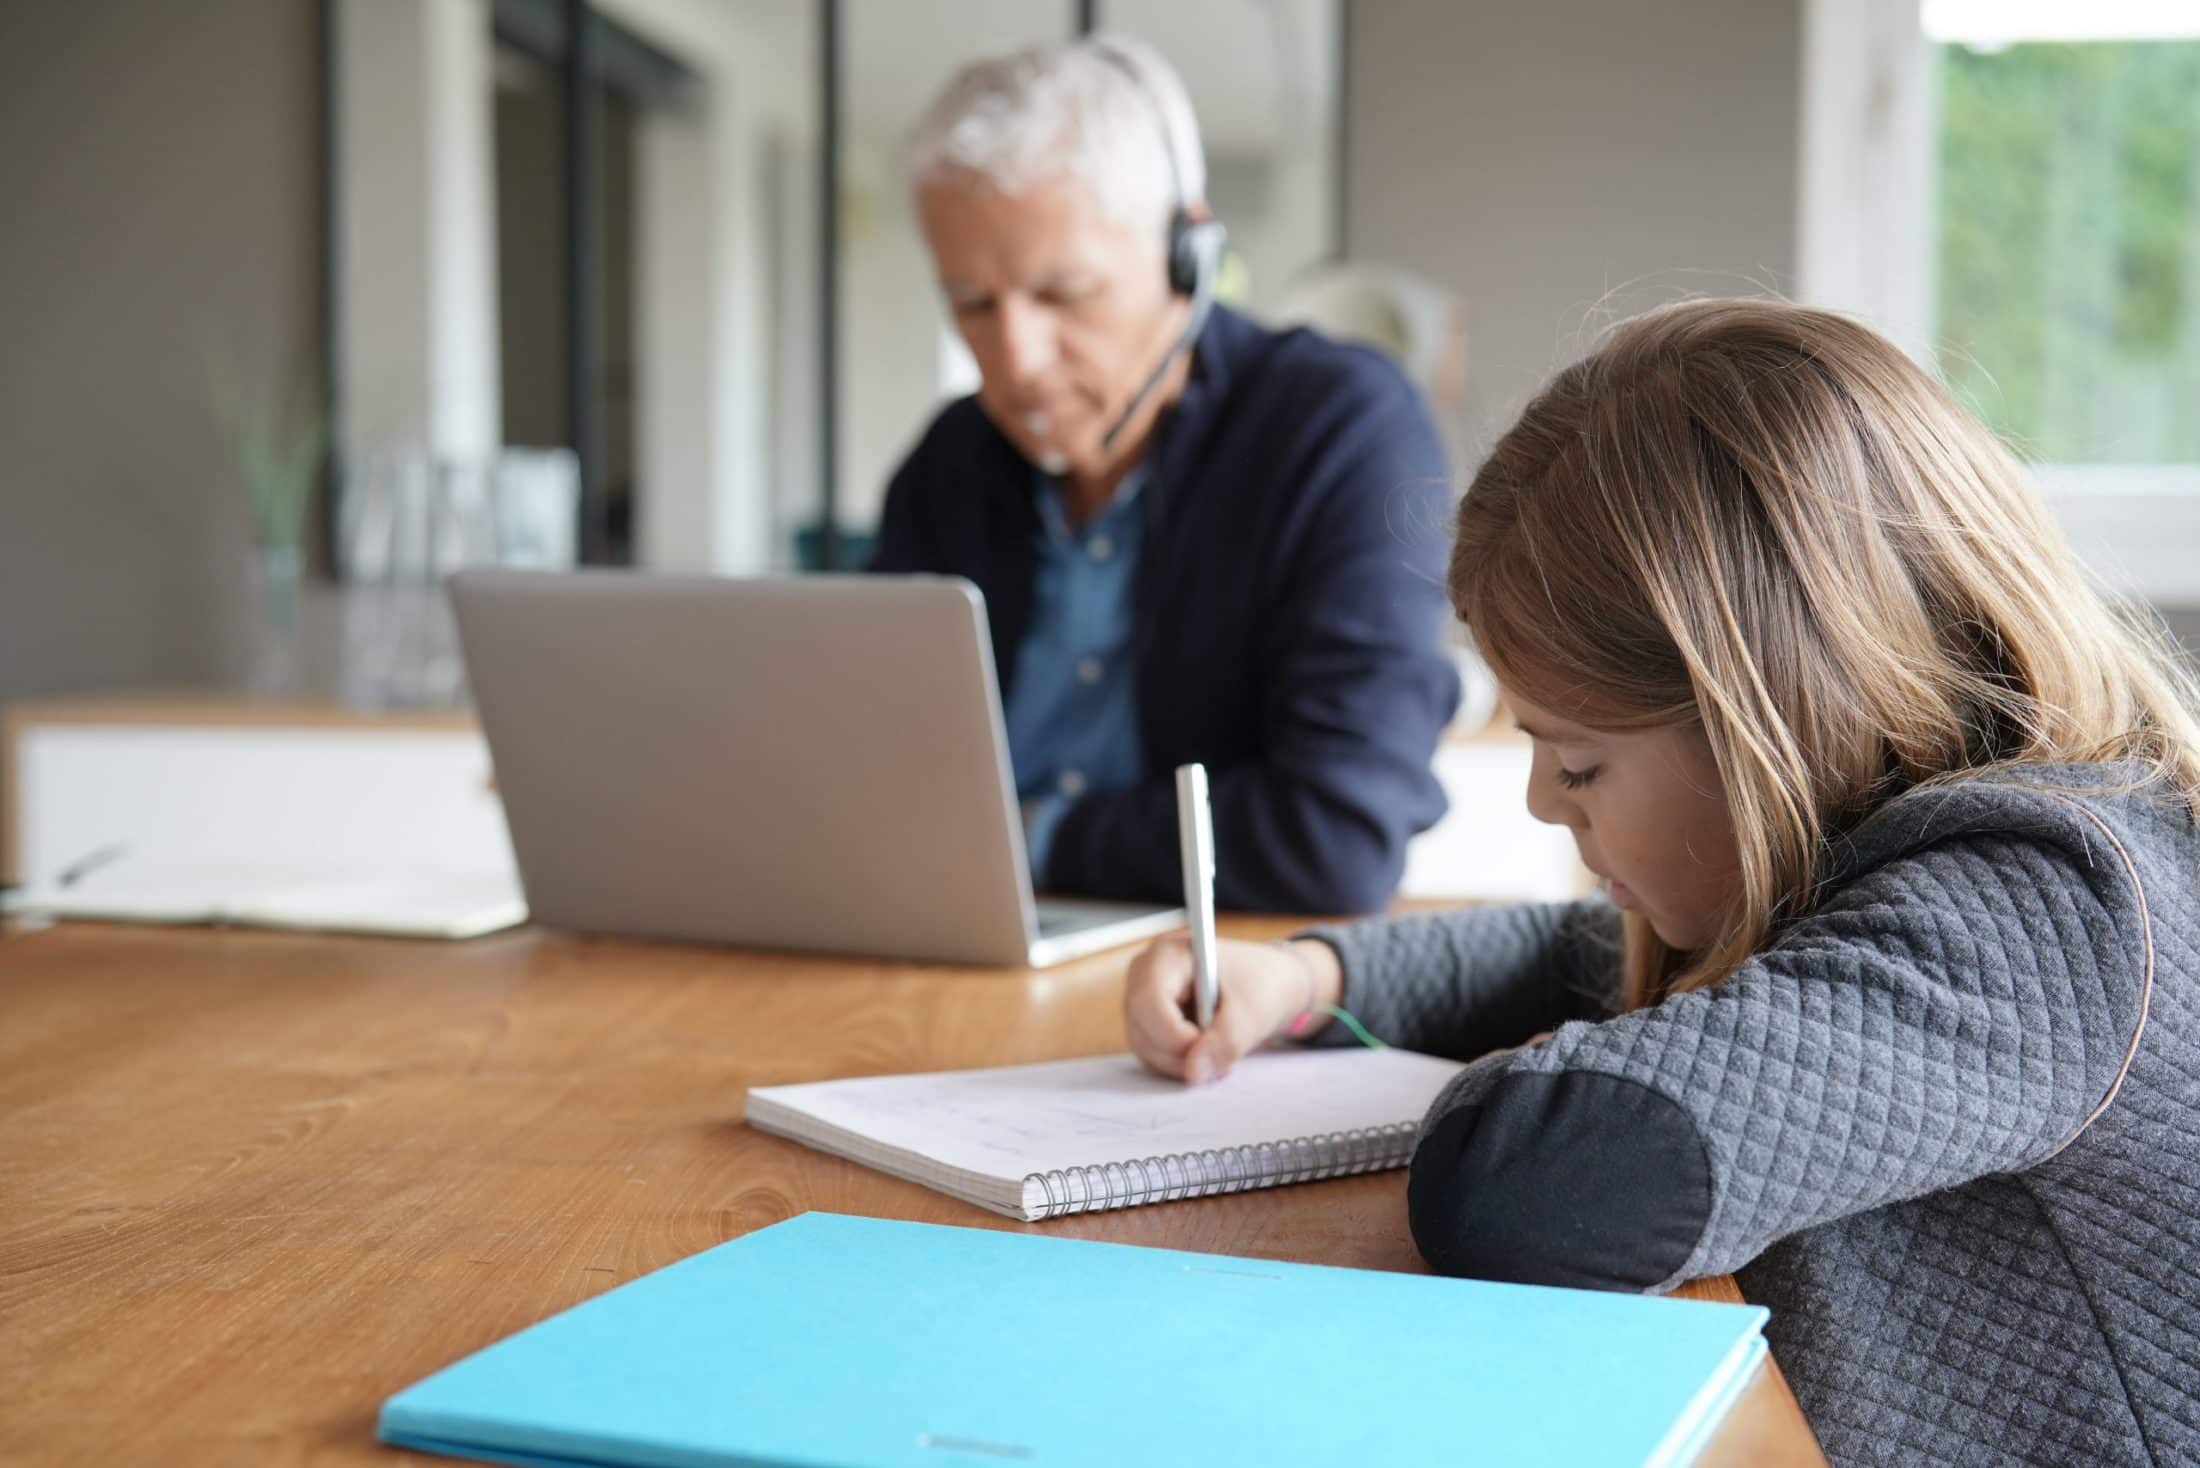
1095	112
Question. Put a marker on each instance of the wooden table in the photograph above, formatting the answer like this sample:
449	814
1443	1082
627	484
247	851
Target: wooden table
253	1183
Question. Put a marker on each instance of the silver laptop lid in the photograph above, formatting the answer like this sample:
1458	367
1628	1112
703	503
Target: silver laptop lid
809	762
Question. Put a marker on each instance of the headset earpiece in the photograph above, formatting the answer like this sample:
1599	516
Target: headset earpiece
1195	252
1194	248
1194	243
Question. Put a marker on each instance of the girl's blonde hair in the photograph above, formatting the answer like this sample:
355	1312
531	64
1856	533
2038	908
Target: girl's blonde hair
1767	519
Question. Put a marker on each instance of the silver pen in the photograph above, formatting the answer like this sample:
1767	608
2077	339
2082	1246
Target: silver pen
1195	838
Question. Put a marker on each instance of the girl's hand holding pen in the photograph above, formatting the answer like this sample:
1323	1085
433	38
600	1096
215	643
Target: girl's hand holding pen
1267	990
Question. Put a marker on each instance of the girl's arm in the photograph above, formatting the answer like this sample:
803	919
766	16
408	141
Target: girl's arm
1458	984
1962	1010
1467	982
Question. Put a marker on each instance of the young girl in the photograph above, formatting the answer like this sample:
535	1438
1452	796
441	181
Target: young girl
1891	1009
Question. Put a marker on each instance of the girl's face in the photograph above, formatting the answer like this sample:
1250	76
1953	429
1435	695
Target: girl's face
1648	813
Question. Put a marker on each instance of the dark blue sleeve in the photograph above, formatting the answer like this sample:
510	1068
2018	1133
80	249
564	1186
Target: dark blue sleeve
1359	679
902	544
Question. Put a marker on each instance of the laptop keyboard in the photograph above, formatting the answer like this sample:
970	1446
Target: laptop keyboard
1055	921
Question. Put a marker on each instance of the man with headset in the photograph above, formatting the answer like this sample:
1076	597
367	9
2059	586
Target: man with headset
1197	539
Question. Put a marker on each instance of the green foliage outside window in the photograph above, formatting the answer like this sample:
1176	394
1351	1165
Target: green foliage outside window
2069	248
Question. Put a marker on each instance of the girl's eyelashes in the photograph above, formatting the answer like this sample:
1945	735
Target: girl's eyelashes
1576	779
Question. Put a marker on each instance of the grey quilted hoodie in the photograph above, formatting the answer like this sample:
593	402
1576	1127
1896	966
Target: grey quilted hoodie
1947	1126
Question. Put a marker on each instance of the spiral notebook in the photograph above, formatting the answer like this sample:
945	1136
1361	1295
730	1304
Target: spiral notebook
1077	1136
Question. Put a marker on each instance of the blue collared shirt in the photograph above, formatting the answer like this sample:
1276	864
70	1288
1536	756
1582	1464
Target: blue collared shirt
1073	705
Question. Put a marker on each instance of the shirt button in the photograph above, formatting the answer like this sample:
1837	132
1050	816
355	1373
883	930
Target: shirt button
1071	783
1089	671
1100	548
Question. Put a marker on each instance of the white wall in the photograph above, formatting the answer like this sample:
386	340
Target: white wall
896	58
891	325
1864	204
416	255
1560	162
1263	78
706	298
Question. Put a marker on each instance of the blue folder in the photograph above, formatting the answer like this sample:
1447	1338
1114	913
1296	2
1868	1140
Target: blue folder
835	1342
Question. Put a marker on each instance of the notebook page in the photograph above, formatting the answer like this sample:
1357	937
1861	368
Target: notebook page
129	890
1010	1122
181	897
423	905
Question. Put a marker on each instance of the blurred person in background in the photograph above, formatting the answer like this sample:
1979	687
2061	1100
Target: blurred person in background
1198	540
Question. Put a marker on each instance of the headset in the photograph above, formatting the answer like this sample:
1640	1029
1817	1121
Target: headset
1194	248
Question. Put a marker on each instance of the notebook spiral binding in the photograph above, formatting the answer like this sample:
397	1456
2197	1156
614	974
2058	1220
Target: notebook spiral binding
1177	1175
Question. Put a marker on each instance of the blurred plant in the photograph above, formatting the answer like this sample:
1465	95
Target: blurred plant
277	438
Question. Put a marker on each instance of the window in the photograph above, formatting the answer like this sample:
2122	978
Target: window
2011	188
2068	224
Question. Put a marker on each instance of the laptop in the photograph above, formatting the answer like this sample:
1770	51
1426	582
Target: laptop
814	763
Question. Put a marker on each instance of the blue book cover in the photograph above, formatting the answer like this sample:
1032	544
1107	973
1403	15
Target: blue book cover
835	1342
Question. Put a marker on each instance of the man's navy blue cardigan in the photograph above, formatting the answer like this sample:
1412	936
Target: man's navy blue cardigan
1288	626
